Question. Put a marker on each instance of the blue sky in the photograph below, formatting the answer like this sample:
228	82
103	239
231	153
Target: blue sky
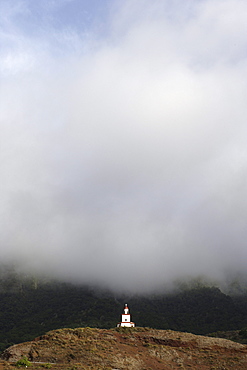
63	26
123	139
32	16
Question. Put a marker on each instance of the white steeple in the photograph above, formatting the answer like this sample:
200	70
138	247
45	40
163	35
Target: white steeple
126	318
126	309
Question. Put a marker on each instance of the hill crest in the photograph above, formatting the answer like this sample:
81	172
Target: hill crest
129	348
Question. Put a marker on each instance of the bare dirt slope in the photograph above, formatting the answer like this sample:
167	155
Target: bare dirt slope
137	348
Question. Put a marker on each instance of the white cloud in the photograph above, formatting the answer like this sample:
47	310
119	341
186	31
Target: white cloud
128	160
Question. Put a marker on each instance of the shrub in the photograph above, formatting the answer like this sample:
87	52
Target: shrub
23	362
47	366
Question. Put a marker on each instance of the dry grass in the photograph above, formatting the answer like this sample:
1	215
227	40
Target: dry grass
132	349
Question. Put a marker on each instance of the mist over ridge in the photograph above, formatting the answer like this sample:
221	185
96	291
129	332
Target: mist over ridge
123	141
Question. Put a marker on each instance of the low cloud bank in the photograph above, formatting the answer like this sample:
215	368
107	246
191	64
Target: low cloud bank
123	160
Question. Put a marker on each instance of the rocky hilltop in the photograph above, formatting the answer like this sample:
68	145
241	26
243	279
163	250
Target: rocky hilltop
128	348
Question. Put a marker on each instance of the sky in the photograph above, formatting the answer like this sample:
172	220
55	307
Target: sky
123	157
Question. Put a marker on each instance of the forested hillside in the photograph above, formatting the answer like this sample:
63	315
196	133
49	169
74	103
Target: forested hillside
30	307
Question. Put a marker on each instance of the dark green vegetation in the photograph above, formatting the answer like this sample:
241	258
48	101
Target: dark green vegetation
23	362
29	308
239	336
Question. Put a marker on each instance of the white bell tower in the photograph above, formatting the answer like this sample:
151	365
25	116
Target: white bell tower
126	318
